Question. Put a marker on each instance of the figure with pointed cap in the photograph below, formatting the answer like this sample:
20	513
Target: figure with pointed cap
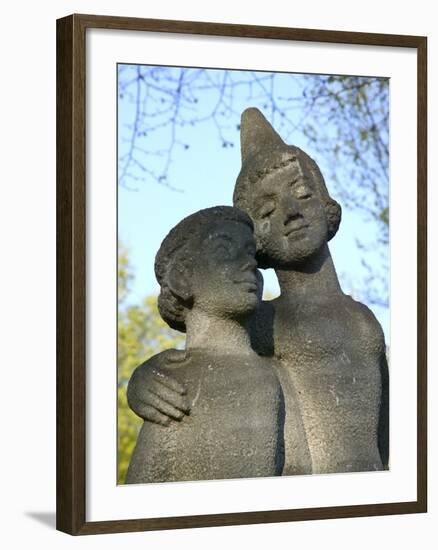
331	348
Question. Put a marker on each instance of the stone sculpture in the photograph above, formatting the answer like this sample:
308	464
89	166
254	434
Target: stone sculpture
330	349
209	289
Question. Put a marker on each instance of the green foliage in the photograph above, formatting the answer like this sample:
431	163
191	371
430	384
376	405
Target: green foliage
384	216
124	276
141	334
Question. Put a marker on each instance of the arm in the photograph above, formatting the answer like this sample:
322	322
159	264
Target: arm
156	396
383	433
377	341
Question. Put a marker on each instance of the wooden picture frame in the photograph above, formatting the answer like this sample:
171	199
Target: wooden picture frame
71	273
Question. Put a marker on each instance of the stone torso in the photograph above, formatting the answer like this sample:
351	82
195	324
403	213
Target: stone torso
330	353
235	427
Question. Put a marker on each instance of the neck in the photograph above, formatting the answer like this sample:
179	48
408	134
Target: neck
313	280
218	335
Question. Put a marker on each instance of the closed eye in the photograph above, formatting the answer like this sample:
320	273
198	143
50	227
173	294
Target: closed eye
267	209
302	192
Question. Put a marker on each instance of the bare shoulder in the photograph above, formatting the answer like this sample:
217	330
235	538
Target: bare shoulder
163	360
366	324
156	368
363	312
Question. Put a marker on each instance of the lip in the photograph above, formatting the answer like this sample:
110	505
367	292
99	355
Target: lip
250	284
295	228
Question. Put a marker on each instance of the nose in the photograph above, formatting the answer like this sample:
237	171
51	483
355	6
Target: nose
290	207
250	264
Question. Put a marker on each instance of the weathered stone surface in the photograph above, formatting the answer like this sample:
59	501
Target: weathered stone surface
207	272
235	427
327	350
330	347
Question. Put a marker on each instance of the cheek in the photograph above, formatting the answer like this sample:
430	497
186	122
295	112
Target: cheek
323	222
207	277
263	227
315	212
262	234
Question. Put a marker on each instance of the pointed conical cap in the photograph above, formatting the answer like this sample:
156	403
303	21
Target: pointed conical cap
257	135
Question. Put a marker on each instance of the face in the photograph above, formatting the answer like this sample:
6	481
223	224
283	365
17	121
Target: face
224	282
290	223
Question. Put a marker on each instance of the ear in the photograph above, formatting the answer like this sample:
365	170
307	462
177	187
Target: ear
178	281
334	214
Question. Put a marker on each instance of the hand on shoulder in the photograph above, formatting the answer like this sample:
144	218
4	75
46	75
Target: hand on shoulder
153	394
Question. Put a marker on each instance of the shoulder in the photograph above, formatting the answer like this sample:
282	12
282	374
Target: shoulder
163	360
366	324
362	312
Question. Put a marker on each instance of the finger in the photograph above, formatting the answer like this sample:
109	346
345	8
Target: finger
163	407
175	355
170	396
152	415
170	382
140	406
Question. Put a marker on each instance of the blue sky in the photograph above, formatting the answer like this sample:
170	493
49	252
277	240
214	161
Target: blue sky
204	174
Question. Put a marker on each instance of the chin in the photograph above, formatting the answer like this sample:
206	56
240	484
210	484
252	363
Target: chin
293	256
300	254
299	251
246	305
